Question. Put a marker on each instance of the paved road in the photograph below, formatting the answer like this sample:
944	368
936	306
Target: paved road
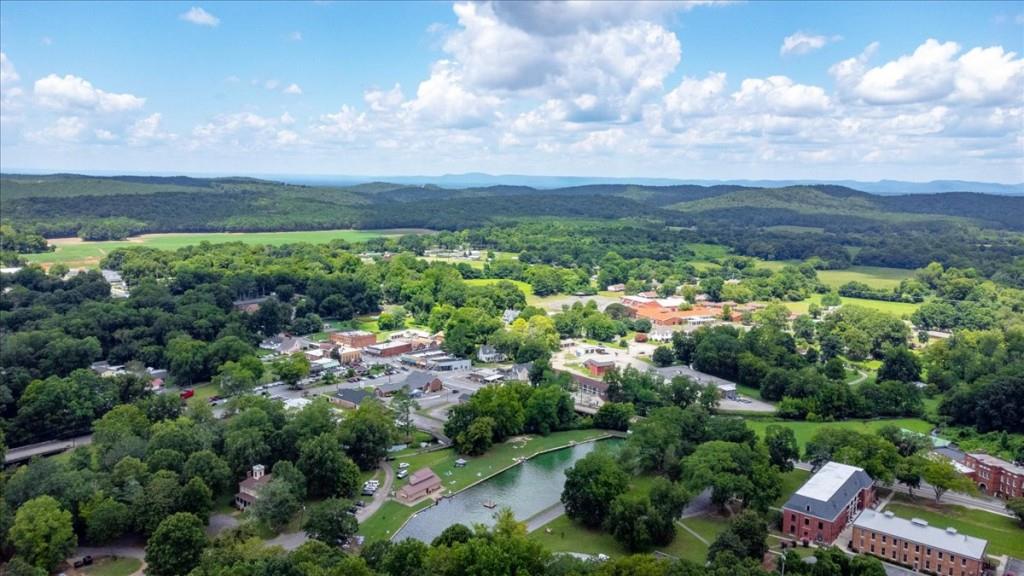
45	448
380	496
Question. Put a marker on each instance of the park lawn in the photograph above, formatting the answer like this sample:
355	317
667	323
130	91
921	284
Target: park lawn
113	566
805	430
1004	535
498	458
895	308
791	482
526	288
388	519
707	525
569	536
877	277
83	253
205	391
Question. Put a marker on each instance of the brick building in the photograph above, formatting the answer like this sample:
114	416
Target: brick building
918	546
392	348
995	476
354	338
827	503
598	367
249	489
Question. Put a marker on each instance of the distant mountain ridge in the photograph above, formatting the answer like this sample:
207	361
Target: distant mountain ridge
479	180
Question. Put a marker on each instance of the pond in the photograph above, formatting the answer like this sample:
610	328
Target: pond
527	489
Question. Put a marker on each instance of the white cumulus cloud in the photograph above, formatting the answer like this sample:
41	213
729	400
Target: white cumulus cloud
70	91
293	89
804	43
199	17
780	95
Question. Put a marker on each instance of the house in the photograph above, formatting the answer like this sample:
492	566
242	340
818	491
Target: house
421	483
387	349
488	353
249	489
918	546
416	382
354	338
995	476
598	367
509	316
726	390
106	369
518	372
827	502
616	288
350	397
283	344
118	287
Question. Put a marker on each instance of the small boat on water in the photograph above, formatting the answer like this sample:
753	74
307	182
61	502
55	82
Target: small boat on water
490	504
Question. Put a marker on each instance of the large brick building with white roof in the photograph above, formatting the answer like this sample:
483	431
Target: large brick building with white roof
827	503
918	546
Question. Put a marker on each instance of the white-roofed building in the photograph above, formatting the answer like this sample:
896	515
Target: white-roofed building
827	503
916	545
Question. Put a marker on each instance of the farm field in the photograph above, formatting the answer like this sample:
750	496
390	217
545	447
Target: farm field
78	252
873	276
805	430
895	308
1004	535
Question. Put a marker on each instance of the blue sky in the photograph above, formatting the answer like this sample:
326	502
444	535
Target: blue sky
909	90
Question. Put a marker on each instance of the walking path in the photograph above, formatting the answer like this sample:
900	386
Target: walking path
544	516
691	531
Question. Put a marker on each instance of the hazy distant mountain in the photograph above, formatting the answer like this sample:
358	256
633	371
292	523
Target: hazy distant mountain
479	179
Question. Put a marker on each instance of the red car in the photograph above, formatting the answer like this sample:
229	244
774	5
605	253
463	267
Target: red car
186	394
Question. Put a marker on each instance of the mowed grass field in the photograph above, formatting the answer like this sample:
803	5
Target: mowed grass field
526	288
874	276
899	309
76	252
805	430
1004	535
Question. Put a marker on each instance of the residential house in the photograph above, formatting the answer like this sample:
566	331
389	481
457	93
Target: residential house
421	483
509	316
827	502
489	354
354	338
417	382
518	372
995	476
918	546
350	397
249	489
283	344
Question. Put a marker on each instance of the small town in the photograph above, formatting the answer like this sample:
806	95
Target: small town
512	288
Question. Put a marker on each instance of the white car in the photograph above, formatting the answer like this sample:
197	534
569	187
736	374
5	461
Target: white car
403	465
402	474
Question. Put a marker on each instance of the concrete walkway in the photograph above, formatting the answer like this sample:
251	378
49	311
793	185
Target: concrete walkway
544	517
691	531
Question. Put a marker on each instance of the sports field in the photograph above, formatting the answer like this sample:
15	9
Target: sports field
76	252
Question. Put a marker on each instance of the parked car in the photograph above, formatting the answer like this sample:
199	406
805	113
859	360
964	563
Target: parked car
402	474
403	465
186	394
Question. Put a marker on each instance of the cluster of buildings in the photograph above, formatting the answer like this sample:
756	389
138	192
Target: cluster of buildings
118	287
840	498
675	311
156	376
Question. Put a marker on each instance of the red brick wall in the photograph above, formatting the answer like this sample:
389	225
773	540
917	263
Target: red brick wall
915	556
802	526
999	482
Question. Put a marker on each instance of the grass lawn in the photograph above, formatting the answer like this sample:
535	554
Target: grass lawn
874	276
751	392
499	457
895	308
708	526
113	566
791	482
388	519
526	288
805	430
569	536
75	252
1004	534
708	251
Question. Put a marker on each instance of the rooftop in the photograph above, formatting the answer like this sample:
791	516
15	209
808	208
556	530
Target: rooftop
827	481
828	492
990	460
919	531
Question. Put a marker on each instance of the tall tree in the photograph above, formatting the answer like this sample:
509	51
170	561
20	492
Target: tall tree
176	546
42	533
590	487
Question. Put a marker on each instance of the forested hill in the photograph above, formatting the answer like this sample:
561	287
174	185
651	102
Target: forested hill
98	207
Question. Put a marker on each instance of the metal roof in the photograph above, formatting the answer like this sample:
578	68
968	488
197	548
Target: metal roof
917	530
829	491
